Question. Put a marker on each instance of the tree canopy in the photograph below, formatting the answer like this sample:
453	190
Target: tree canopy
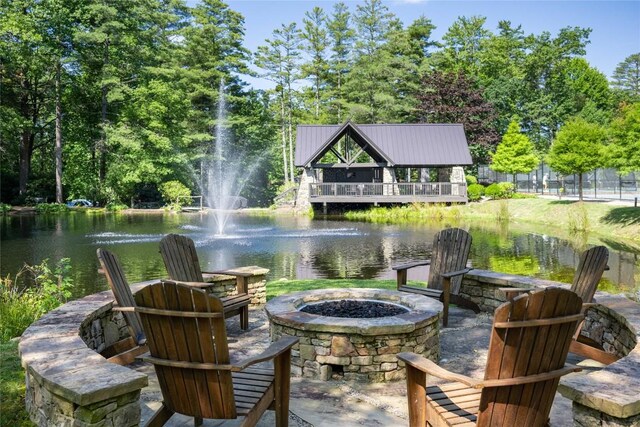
515	153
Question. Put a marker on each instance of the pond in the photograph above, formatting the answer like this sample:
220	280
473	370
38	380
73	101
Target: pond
292	247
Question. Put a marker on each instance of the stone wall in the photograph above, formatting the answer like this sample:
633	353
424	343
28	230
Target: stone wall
302	198
607	397
602	324
355	357
67	382
225	284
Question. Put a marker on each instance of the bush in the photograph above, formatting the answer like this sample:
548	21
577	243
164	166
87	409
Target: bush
475	192
49	208
34	291
172	192
471	179
4	208
115	206
502	190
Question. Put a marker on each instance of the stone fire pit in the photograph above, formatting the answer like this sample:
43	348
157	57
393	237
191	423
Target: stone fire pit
360	349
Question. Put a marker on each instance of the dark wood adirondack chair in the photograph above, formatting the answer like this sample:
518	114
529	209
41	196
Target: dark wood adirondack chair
188	345
448	264
592	264
123	352
526	358
182	264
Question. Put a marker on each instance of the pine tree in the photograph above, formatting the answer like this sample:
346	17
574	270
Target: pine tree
316	43
626	76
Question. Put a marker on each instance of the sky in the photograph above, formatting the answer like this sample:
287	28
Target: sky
615	24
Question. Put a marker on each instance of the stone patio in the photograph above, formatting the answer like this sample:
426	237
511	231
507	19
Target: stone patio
336	402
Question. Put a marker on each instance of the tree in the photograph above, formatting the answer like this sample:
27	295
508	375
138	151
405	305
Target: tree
452	98
316	43
514	154
626	77
341	38
577	148
623	152
462	45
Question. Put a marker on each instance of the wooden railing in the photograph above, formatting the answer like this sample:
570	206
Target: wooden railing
418	191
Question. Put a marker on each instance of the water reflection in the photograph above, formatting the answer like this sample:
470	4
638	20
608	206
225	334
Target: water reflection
294	247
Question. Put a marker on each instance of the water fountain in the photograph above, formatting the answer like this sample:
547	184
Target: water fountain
221	181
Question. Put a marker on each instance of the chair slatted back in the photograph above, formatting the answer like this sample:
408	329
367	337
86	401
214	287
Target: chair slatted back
592	264
180	258
121	291
527	350
450	253
197	392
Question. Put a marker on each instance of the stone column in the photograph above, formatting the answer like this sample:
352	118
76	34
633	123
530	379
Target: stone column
388	176
302	199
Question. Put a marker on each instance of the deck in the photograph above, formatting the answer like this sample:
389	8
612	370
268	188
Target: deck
403	192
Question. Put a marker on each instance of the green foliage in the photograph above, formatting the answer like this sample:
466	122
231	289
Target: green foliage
624	150
524	196
172	193
471	179
500	190
12	387
475	192
515	153
503	214
413	212
578	220
34	291
626	77
51	208
4	208
115	207
578	148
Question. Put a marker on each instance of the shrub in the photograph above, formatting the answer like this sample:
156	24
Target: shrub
4	208
34	291
578	218
172	192
115	206
502	190
471	179
524	196
49	208
475	192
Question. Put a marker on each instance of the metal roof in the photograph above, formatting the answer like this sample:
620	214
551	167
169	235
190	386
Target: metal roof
403	144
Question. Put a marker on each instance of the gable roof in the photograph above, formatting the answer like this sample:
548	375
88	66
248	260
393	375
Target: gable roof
401	144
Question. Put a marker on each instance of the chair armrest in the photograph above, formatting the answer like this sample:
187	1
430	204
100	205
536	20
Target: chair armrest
282	345
425	365
410	265
451	274
199	285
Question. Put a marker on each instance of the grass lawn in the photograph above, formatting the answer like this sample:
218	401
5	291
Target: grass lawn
12	387
599	217
280	287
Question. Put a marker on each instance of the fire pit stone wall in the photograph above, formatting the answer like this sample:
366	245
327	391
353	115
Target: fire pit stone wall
361	350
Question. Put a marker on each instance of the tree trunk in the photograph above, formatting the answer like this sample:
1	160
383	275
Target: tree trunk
580	186
58	143
290	118
284	139
102	144
25	161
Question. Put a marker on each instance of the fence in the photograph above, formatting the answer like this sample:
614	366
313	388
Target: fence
597	184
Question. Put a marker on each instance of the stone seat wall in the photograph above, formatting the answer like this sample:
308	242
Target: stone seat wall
605	397
69	384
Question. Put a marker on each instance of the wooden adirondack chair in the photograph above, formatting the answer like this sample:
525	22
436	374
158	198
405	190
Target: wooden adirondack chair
123	352
182	264
592	264
448	264
526	358
188	344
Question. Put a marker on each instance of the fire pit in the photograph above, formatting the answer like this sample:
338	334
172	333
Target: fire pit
358	332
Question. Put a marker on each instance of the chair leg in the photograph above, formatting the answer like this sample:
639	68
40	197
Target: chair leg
446	296
416	396
401	278
161	416
244	318
282	386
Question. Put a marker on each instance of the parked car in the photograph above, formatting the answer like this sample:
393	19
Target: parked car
80	203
